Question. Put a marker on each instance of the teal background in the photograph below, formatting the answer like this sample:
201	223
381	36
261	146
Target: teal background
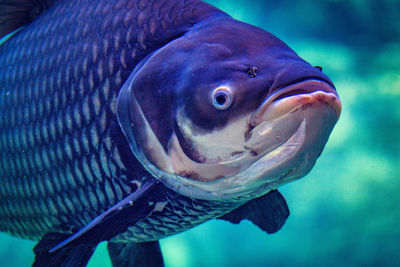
346	212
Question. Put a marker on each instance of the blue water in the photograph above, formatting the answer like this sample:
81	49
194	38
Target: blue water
346	212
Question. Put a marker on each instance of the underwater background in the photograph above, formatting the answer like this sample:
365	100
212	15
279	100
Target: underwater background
346	212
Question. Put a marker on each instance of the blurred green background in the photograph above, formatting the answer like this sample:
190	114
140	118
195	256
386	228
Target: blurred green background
346	212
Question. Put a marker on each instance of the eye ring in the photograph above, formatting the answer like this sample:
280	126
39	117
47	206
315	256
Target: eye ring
222	98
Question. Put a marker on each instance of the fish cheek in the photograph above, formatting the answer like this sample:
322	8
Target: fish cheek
145	107
157	108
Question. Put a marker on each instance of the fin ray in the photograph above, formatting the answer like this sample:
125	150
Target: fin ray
99	219
77	255
56	249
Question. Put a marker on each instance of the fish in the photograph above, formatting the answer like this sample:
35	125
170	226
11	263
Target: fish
132	120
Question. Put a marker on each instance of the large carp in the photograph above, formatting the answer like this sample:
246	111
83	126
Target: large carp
131	120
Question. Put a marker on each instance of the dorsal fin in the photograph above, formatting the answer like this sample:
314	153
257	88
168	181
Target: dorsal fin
17	13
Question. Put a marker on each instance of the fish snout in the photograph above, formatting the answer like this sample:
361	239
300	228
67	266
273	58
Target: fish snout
294	96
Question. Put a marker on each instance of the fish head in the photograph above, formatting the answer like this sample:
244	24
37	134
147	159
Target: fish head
228	110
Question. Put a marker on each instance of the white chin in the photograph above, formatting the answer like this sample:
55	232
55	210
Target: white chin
257	179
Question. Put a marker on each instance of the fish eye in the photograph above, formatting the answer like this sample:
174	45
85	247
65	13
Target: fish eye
222	98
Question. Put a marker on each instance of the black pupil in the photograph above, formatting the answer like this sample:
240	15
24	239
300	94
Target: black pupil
221	99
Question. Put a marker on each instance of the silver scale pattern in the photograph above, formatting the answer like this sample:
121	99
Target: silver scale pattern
58	164
59	79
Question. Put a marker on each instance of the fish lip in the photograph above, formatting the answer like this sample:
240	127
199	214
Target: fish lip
307	87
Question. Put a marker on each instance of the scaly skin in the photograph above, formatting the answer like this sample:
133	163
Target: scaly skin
63	158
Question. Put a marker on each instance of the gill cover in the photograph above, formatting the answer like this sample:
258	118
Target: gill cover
152	81
146	111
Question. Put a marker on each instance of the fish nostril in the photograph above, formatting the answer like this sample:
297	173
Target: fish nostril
318	67
253	71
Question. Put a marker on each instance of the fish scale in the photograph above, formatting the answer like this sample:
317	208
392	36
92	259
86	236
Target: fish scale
63	159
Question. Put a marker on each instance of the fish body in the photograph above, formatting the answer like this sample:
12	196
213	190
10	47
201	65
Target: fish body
62	151
129	121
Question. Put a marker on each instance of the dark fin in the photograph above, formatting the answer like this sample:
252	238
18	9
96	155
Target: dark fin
119	217
17	13
76	249
135	254
77	254
268	212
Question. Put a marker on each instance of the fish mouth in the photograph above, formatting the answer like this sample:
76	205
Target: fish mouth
291	97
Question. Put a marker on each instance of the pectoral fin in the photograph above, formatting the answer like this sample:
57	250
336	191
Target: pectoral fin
77	254
268	212
75	250
135	254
